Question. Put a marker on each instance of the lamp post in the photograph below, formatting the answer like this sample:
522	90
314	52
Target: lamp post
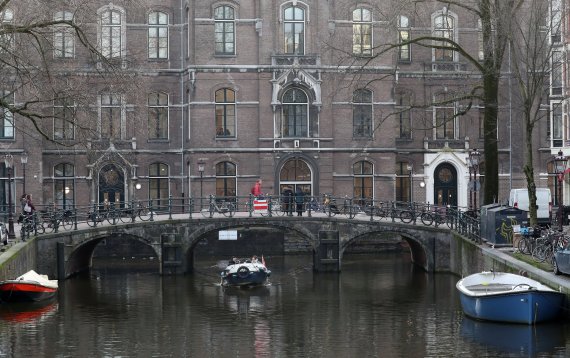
560	162
9	162
201	171
474	157
410	168
24	161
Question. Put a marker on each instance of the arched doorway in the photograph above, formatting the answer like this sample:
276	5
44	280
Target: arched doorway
296	173
445	185
111	185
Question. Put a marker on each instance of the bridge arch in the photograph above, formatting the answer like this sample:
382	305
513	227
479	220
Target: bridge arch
80	258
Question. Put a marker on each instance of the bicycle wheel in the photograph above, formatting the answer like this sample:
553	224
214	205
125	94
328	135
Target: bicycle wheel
92	219
49	225
126	215
406	216
277	208
112	217
228	209
67	223
539	253
38	228
144	213
205	212
449	221
426	218
524	246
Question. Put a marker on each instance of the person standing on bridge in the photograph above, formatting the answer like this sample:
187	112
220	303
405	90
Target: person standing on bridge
256	190
299	200
29	206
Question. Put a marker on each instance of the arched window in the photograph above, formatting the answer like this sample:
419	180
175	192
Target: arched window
295	113
158	116
443	27
158	184
224	28
296	174
157	35
294	30
404	53
362	113
112	32
225	180
225	113
64	185
362	32
363	174
63	36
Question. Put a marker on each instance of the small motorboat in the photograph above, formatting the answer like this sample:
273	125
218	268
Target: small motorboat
30	287
245	273
506	297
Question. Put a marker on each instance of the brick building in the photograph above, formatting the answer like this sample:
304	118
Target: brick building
204	97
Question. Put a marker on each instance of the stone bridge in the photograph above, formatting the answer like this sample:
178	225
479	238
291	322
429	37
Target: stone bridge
174	240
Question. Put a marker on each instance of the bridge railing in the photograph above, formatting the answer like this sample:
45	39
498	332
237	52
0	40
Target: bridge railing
53	218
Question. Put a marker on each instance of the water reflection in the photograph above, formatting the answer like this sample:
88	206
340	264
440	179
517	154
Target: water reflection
523	340
26	313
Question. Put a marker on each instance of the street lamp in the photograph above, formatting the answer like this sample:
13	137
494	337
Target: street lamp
24	161
560	162
201	164
474	157
410	168
8	163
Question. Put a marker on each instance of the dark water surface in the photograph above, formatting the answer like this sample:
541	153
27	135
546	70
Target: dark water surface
379	306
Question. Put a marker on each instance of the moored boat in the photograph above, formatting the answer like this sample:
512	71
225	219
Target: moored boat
245	273
29	287
506	297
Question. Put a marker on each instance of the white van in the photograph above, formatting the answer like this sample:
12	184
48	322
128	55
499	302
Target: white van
519	199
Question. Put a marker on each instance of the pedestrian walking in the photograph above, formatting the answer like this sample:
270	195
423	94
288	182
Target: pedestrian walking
288	200
256	189
299	200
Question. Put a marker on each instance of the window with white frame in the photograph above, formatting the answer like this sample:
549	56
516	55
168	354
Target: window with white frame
444	28
362	113
111	115
225	113
226	180
6	116
445	118
158	184
157	35
556	73
481	50
112	32
63	36
294	30
404	50
6	39
555	21
363	182
225	30
295	115
64	185
362	32
158	116
63	118
556	110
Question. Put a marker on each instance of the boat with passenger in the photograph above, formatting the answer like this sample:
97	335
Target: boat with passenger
29	287
507	297
245	273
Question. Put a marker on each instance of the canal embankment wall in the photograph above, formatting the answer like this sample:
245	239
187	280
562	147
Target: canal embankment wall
17	259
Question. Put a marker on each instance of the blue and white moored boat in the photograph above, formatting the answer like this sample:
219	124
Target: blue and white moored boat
245	273
506	297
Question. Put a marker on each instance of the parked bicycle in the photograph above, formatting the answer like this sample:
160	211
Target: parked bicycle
60	218
31	224
224	207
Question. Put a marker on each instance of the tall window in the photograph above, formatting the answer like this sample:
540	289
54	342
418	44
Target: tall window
555	20
481	49
444	117
6	39
557	124
403	113
225	179
7	117
225	113
157	35
111	115
158	184
404	53
158	116
64	185
294	30
295	113
363	173
112	30
63	118
4	189
63	36
444	27
362	32
362	113
403	181
224	28
557	73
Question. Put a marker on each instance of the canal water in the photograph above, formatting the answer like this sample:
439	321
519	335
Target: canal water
379	306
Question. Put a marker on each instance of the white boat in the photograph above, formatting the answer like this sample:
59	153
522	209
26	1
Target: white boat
506	297
244	273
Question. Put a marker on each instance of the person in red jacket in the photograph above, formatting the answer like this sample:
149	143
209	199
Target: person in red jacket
256	190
